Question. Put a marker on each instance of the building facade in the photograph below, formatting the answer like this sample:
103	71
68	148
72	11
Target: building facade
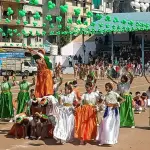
83	5
10	28
34	26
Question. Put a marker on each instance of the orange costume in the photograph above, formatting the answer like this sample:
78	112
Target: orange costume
44	84
85	118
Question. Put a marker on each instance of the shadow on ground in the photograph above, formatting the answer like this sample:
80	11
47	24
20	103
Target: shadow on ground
4	131
143	128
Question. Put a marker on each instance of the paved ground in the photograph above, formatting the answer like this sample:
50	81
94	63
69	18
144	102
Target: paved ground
134	139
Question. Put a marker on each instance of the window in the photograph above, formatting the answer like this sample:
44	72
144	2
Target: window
83	3
53	1
83	19
108	5
28	18
75	2
74	19
37	39
28	40
53	19
94	17
5	14
26	64
52	39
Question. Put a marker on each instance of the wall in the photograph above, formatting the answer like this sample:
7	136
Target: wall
75	48
40	1
103	8
121	37
70	13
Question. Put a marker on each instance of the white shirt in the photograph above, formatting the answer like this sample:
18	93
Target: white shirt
111	97
123	88
70	98
69	58
90	98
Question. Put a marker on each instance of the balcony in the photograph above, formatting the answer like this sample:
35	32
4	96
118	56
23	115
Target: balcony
13	20
10	42
13	1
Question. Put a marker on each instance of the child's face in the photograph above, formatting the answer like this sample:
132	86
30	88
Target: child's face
88	88
107	88
122	79
24	79
67	91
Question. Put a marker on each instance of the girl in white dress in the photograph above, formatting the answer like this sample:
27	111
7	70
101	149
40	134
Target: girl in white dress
109	127
64	128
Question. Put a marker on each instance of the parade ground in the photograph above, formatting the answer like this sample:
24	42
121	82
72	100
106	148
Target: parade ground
133	139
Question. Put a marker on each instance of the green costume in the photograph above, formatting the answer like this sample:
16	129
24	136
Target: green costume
126	112
23	96
6	105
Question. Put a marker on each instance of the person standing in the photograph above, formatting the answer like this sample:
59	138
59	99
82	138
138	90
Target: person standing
44	84
70	61
23	95
6	104
126	111
109	128
64	129
85	116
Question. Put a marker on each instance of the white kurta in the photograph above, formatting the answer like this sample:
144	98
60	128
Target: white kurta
64	129
109	128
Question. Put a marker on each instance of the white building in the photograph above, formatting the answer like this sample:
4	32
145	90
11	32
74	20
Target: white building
35	41
102	6
11	41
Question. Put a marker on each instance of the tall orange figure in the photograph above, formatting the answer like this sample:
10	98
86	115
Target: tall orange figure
44	84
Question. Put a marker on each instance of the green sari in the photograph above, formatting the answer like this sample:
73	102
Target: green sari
6	105
126	111
23	96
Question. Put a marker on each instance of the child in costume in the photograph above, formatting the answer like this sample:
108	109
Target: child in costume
86	117
109	128
23	95
56	85
44	84
144	97
138	103
6	103
63	131
126	111
17	129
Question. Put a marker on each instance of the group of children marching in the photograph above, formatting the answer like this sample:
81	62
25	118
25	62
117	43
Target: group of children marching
91	116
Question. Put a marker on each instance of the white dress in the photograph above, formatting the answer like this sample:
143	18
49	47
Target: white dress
109	128
64	129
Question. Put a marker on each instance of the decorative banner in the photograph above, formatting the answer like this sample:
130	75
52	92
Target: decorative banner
108	23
